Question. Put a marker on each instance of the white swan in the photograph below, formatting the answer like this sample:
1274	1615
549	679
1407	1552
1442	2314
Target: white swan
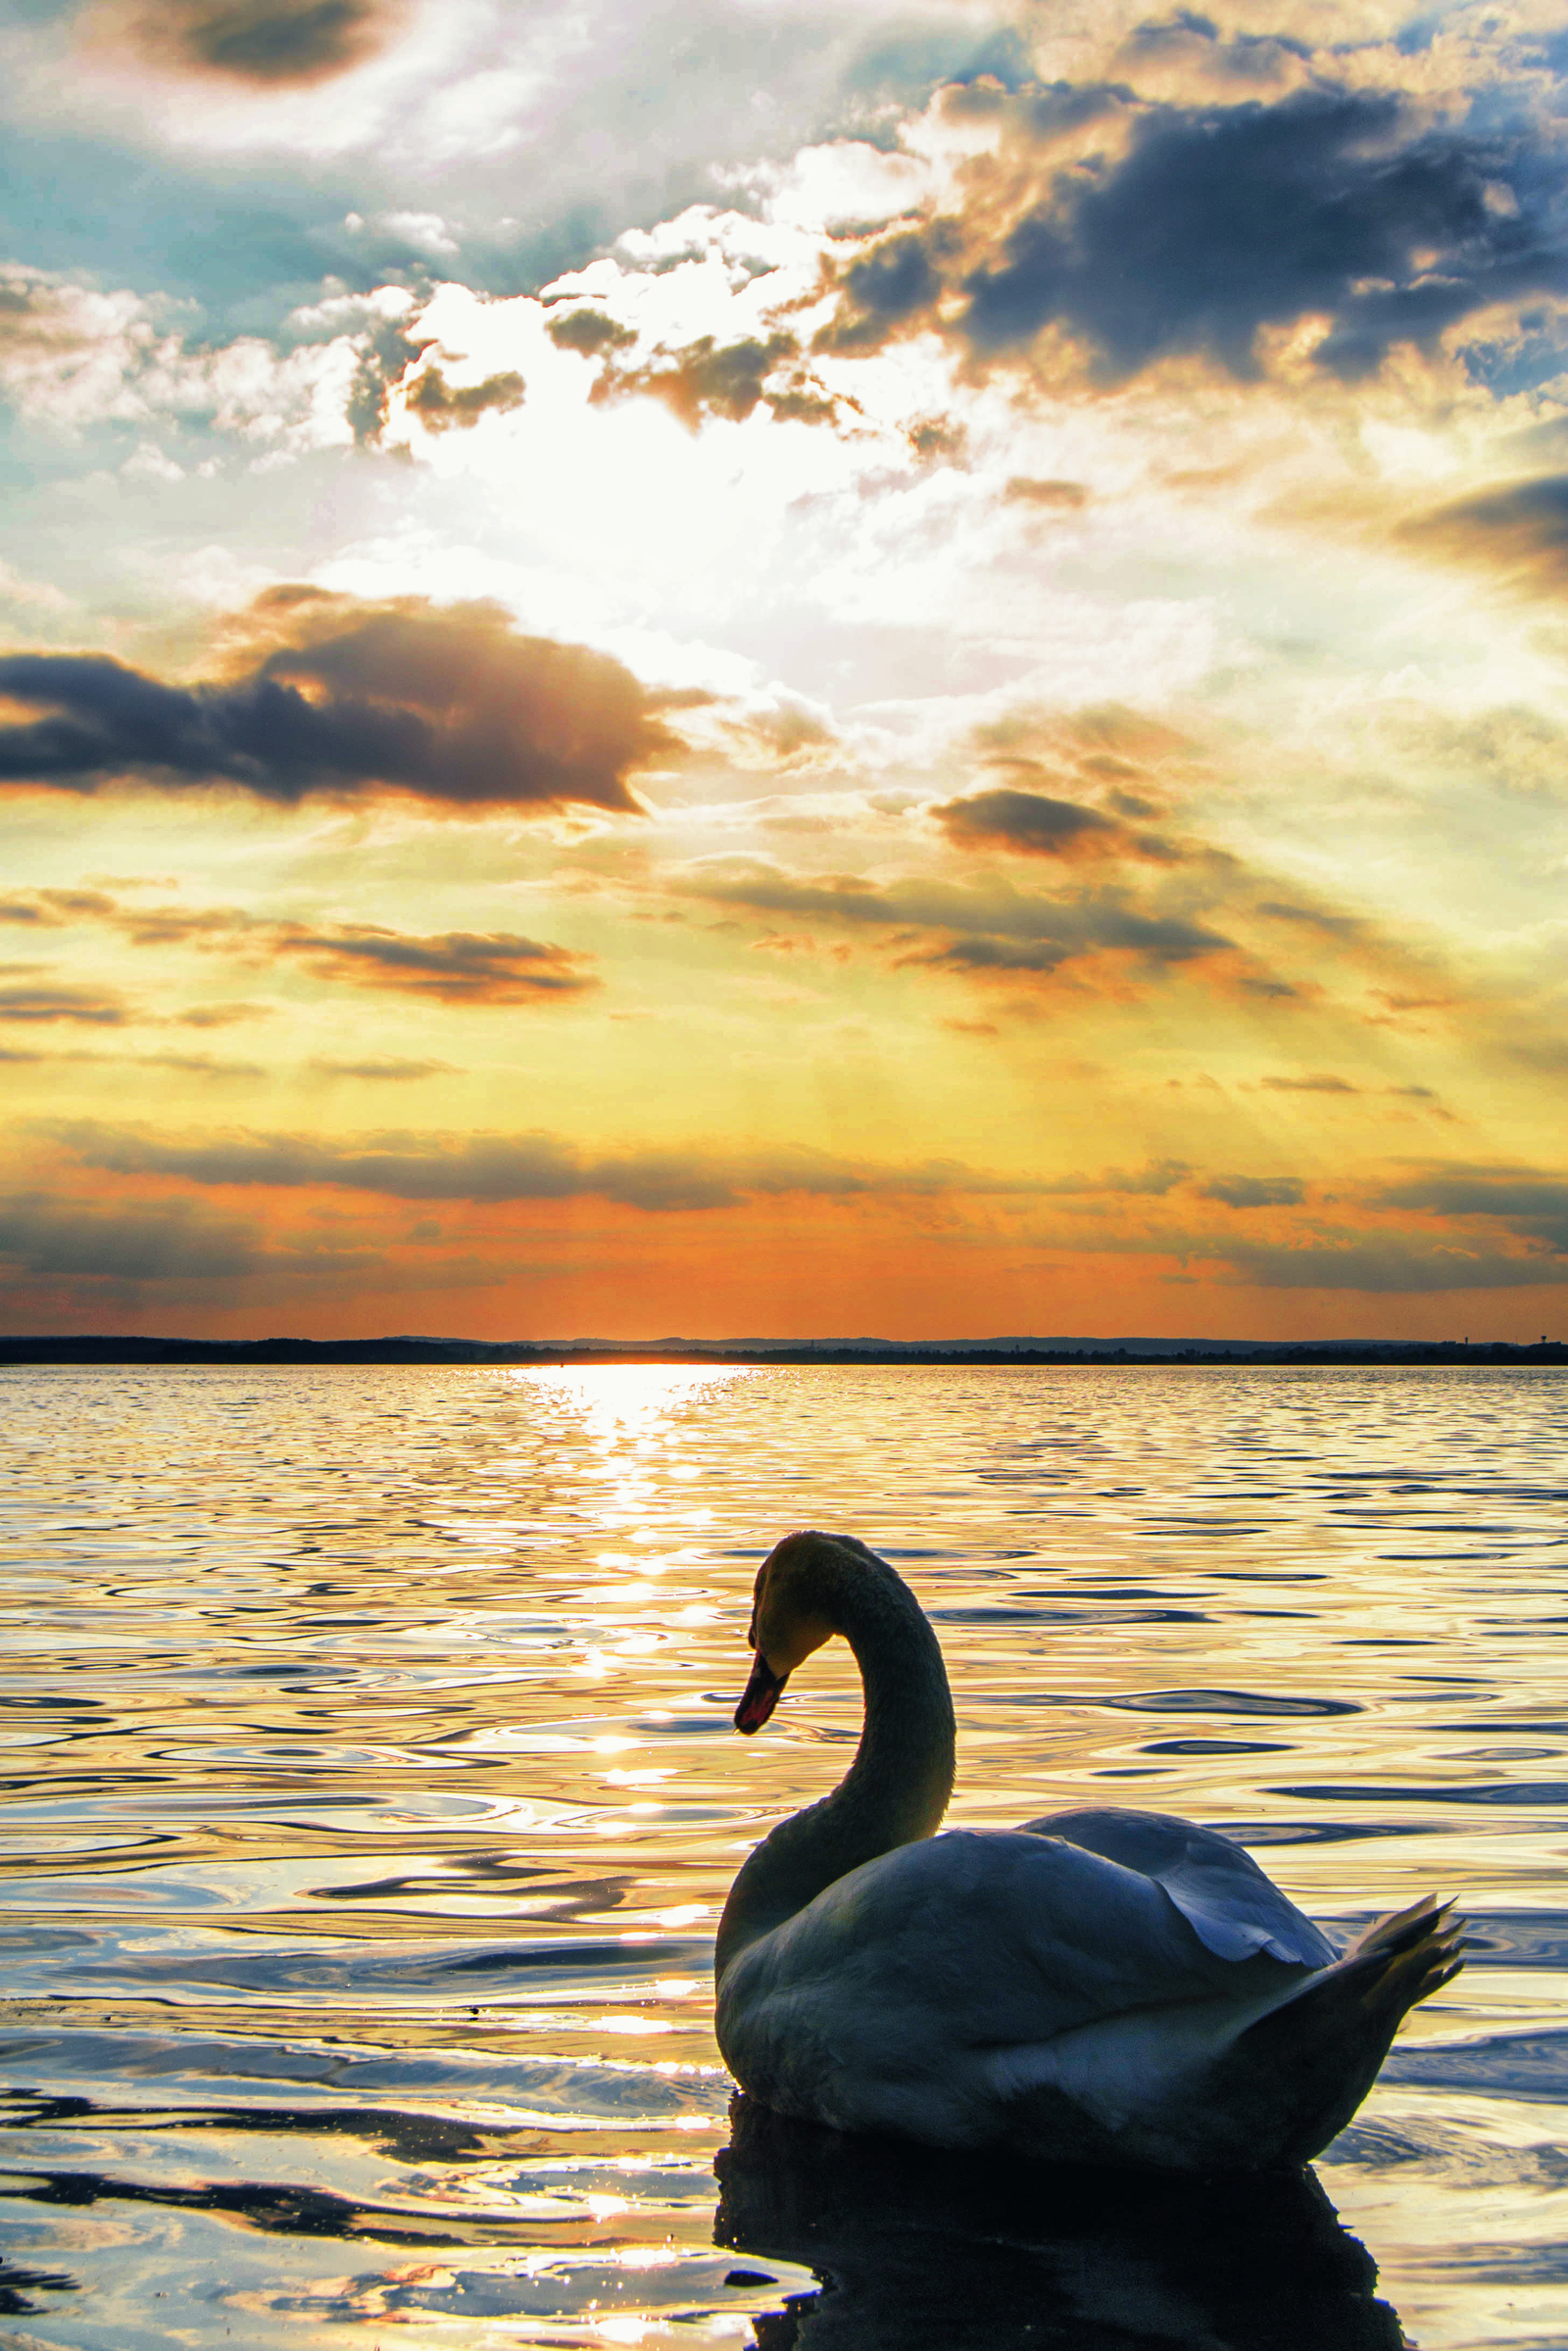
1099	1986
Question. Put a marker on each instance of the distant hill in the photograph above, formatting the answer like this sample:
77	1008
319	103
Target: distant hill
414	1347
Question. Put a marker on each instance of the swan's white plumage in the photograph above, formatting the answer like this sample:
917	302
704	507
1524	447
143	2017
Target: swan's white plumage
1232	1907
929	1989
1100	1985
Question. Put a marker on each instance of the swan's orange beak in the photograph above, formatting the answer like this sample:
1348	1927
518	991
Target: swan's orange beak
760	1697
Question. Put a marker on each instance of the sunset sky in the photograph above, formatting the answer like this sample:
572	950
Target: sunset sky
736	666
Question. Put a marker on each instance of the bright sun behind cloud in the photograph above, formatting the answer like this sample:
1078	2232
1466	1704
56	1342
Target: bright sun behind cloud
775	676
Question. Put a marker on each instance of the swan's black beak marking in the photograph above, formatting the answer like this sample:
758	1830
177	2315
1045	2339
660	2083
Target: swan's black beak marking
760	1697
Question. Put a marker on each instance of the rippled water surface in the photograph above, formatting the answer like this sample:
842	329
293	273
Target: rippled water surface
370	1793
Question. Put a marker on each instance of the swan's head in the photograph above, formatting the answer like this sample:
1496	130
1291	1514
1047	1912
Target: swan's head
794	1612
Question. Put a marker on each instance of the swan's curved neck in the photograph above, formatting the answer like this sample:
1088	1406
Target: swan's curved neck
898	1786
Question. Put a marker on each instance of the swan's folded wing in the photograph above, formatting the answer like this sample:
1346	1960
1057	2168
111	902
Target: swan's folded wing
1232	1907
974	1942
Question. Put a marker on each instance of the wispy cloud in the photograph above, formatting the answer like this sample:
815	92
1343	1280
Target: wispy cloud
425	1166
44	999
453	967
1518	531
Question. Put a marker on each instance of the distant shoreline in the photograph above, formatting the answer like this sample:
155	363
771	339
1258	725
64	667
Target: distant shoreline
543	1355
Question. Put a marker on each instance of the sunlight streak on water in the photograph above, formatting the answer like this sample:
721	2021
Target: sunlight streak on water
370	1795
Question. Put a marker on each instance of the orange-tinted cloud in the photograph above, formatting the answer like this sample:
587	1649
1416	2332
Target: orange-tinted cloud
1517	529
1035	824
440	405
707	378
1064	497
325	696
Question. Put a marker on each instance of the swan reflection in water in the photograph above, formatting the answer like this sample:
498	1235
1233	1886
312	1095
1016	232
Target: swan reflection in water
918	2248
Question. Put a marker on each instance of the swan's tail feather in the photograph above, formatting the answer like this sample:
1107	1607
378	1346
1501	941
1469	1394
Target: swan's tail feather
1320	2051
1403	1930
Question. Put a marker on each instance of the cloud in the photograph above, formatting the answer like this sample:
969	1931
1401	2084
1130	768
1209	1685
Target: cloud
1528	1201
218	1017
341	698
898	282
51	908
270	44
1388	1265
980	929
1255	1192
67	351
588	332
149	1243
1027	489
1519	529
1182	230
382	1068
200	1065
74	356
1033	824
455	968
707	378
42	1000
1526	1206
498	967
499	1168
439	405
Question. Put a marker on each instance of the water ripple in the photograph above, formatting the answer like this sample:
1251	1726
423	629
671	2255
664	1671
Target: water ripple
367	1795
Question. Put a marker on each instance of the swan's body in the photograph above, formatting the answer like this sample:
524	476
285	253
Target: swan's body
1103	1987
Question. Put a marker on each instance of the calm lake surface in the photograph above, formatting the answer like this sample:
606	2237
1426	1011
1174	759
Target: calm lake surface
371	1791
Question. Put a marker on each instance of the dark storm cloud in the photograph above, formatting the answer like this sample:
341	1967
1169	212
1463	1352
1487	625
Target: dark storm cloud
1034	824
440	405
1219	222
448	705
273	44
1517	528
707	378
495	1169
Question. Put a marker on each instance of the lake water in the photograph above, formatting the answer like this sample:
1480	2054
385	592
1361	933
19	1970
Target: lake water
371	1791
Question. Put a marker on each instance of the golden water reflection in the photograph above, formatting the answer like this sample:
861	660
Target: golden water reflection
367	1795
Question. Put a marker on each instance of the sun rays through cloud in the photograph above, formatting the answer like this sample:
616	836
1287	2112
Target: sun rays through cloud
883	671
